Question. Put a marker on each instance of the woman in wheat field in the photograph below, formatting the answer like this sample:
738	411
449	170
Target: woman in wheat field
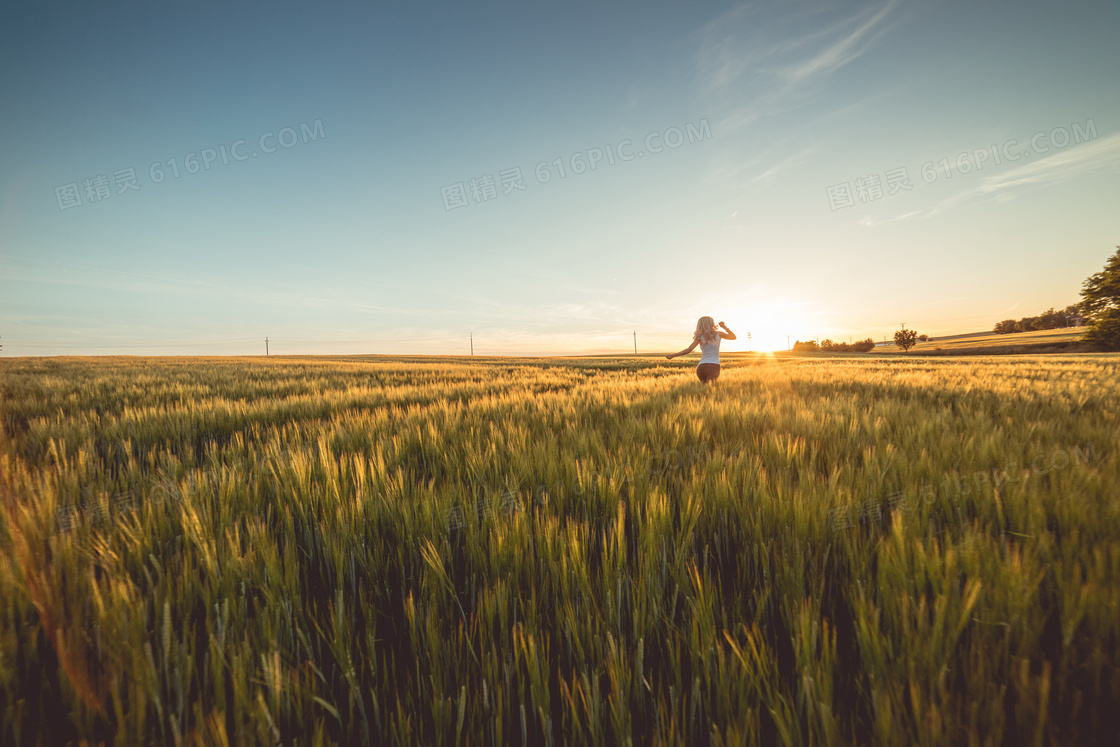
707	336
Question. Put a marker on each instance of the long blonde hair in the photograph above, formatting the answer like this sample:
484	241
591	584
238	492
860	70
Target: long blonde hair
706	331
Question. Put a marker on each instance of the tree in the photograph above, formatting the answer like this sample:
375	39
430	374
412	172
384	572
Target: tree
923	338
1100	301
809	346
905	339
1005	327
1052	319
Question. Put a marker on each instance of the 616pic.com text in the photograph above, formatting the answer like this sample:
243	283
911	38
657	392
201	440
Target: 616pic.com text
97	188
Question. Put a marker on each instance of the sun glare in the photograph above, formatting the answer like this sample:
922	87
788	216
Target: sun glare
768	326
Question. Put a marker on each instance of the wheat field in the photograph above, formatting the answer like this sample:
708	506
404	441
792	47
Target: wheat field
365	551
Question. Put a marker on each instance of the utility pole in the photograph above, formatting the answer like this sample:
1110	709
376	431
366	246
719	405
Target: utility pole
787	343
472	343
749	348
635	342
266	347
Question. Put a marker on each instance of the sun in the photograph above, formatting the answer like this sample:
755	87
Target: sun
769	326
766	341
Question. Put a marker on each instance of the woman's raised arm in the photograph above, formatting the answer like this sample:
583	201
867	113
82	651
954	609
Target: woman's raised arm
686	351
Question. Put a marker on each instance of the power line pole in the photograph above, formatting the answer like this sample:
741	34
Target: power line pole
787	343
472	343
635	342
749	348
266	347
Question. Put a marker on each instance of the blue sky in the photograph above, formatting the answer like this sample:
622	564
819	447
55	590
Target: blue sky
360	220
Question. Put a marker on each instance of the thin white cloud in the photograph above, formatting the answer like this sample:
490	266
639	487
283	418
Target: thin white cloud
757	67
842	51
763	164
786	163
1095	155
870	222
1060	167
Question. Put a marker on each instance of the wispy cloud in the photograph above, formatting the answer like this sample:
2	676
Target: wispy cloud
871	222
786	163
1060	167
1096	155
758	66
842	51
762	165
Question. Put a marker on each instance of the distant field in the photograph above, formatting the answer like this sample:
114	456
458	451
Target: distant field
816	550
1030	341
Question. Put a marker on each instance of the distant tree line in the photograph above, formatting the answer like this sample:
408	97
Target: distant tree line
811	346
1099	310
1049	319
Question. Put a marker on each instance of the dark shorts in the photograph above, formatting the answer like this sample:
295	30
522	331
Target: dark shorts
707	372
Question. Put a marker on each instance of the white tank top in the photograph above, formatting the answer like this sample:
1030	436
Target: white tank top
709	352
